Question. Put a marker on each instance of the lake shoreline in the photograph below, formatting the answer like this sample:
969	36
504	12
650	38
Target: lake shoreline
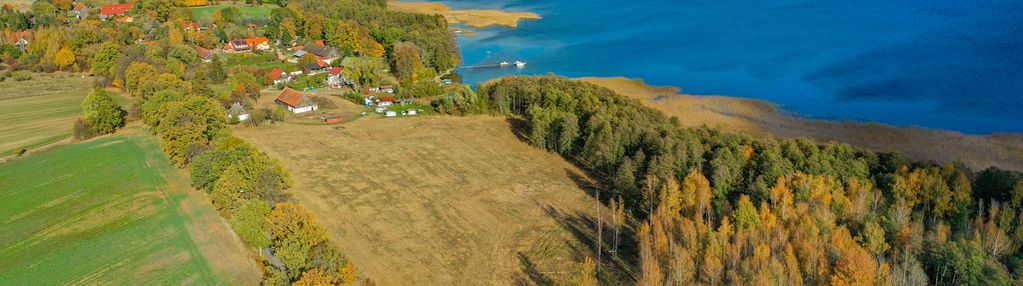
473	18
765	119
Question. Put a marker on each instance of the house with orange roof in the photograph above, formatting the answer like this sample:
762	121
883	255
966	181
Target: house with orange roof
114	10
256	44
295	101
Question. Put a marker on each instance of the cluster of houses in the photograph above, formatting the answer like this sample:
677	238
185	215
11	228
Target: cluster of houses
116	12
248	44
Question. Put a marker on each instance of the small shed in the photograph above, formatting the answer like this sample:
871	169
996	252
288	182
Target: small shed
390	113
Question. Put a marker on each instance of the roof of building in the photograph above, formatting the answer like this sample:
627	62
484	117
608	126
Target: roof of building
203	53
319	42
114	9
276	73
79	6
336	70
237	109
294	98
320	50
193	25
388	98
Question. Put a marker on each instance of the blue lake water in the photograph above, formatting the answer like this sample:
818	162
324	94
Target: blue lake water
947	64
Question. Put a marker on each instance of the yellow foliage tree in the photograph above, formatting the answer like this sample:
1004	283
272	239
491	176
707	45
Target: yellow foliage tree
64	58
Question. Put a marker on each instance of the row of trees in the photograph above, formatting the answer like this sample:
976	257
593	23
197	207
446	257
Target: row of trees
768	211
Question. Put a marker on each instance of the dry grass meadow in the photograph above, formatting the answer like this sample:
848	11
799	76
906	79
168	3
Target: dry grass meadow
476	18
761	118
439	200
41	110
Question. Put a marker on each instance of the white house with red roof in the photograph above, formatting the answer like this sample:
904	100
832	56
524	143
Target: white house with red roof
295	101
335	77
256	44
279	76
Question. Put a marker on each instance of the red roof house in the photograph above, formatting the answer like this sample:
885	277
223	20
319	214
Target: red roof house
204	54
113	10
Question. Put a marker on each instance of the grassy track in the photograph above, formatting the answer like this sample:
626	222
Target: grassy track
205	13
107	211
41	110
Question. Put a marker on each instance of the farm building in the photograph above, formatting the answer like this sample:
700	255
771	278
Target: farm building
390	113
295	101
114	10
238	111
318	49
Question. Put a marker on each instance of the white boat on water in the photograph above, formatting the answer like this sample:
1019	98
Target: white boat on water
520	64
504	64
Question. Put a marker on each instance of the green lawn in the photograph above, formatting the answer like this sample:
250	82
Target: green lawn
41	110
107	211
205	13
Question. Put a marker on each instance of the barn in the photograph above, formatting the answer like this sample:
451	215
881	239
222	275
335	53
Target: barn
295	101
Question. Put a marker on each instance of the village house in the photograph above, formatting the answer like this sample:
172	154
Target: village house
238	111
80	11
20	39
295	101
335	78
386	101
279	76
194	26
205	55
257	44
115	10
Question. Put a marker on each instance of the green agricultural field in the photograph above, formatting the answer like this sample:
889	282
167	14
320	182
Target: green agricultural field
205	13
41	110
111	211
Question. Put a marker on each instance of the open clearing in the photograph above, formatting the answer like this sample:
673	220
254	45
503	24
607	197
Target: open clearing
41	110
204	14
440	200
763	119
112	211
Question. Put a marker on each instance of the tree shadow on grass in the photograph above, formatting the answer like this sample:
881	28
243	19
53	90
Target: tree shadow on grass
613	270
534	276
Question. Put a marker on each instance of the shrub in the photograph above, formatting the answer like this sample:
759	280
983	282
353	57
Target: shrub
19	151
21	75
101	112
82	131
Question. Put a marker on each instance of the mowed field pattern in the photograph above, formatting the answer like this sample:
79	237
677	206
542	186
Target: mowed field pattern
111	211
41	110
438	200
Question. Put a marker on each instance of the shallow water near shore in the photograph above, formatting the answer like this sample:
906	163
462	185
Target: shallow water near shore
941	64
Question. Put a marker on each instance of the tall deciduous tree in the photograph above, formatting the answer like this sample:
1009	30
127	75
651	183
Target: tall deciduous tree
101	112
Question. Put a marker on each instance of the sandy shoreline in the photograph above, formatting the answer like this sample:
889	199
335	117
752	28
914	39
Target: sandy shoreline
762	118
476	18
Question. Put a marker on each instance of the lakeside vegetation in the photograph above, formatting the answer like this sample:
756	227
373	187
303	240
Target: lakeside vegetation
721	208
763	119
